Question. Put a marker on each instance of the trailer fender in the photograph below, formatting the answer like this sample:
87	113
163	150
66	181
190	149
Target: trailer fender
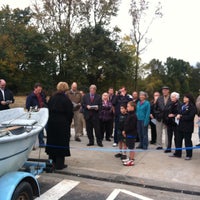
10	181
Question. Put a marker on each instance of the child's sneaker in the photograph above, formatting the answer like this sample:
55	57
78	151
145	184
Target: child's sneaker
123	157
118	155
129	163
114	145
125	160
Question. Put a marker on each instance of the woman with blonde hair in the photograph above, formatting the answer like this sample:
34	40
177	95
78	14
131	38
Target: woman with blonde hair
58	131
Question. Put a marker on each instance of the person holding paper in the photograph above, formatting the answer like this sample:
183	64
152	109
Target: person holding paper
152	118
91	105
76	97
185	116
171	122
6	96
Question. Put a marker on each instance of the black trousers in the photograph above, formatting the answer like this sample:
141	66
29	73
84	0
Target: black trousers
172	130
153	132
116	129
90	125
188	143
58	161
106	127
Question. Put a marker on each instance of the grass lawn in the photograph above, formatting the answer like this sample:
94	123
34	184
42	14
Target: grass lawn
19	102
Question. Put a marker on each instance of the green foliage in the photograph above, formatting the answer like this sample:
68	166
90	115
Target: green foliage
99	12
69	41
194	80
98	58
24	56
176	73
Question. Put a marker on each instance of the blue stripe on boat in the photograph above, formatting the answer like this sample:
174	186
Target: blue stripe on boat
14	154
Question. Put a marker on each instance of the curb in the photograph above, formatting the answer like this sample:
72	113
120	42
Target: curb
131	180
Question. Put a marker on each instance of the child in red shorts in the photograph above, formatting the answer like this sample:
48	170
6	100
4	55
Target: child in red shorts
130	132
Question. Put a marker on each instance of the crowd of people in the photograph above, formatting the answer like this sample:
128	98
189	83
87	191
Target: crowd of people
129	116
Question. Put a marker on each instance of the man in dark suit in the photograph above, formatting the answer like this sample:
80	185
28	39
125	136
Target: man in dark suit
91	104
6	96
161	110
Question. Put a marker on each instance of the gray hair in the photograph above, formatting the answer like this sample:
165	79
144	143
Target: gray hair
143	93
177	95
93	86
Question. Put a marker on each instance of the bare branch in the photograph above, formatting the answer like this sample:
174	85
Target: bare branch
138	12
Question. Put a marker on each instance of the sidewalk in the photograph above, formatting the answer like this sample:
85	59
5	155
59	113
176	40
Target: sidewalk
153	168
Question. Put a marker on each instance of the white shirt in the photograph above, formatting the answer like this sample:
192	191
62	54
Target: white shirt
2	91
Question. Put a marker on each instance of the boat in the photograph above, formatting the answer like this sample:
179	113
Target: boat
18	133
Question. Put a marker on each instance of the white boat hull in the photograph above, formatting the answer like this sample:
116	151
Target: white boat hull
15	149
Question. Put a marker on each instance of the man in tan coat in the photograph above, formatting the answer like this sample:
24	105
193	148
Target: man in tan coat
76	97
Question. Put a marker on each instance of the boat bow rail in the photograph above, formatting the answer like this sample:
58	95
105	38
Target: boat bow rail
18	138
21	117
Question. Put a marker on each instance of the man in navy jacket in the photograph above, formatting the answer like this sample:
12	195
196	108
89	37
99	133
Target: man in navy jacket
37	99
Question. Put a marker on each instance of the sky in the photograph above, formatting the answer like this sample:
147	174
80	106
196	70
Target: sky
176	34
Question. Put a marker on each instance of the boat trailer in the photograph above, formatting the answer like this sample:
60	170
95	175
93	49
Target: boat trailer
23	184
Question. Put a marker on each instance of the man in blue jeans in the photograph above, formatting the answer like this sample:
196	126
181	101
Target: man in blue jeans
35	100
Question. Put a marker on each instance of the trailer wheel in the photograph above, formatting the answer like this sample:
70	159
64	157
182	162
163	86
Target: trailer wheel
23	192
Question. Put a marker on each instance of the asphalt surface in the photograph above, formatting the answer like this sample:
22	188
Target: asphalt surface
58	186
153	168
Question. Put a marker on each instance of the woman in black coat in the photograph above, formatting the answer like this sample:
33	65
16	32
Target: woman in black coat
185	127
152	117
171	112
58	131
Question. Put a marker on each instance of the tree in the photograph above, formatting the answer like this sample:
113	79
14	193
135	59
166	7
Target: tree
60	20
24	57
12	55
194	80
138	12
175	73
178	72
98	59
128	50
40	65
156	76
99	12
